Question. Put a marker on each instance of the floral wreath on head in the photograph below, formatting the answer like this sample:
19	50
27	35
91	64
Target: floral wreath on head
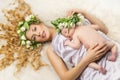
22	27
72	21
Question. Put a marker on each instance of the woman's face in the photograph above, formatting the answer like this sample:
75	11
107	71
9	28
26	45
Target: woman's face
38	33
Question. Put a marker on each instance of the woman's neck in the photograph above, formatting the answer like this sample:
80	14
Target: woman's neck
52	33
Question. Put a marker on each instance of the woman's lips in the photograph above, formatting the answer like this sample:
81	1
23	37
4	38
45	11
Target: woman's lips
43	34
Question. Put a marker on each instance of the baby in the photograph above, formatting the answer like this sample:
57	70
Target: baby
88	36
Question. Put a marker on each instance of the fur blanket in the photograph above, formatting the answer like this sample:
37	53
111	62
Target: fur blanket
106	10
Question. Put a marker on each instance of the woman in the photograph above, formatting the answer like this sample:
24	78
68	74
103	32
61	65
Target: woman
71	57
41	33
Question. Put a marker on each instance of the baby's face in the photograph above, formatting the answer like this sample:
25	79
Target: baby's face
67	33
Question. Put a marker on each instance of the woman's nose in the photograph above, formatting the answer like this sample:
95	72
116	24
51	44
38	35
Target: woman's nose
38	34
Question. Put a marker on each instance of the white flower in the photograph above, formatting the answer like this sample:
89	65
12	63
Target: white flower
18	31
79	23
22	28
31	47
20	23
27	46
65	24
71	24
27	18
31	16
38	45
23	37
28	42
61	25
23	42
81	17
79	14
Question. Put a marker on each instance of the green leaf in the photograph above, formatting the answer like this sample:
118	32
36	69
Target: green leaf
26	25
55	23
22	33
20	23
58	30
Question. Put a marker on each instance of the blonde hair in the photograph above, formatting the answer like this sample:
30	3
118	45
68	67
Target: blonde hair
12	51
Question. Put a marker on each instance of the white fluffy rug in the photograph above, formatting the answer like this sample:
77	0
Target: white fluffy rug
106	10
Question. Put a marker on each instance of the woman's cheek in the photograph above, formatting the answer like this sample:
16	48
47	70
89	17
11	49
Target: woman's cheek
38	39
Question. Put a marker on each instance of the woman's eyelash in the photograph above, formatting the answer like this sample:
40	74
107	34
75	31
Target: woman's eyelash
34	29
34	38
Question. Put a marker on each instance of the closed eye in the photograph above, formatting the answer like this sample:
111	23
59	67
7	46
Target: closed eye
34	29
33	37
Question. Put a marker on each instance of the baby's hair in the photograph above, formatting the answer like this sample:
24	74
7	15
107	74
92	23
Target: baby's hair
12	51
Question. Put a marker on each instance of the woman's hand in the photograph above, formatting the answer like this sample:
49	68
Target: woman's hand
71	12
96	52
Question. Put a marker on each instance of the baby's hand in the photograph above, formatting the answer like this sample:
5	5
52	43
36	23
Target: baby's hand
66	42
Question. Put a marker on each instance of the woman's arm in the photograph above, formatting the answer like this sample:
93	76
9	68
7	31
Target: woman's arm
61	68
92	19
93	54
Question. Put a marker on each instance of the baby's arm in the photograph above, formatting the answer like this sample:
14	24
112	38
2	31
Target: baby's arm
91	18
75	43
96	27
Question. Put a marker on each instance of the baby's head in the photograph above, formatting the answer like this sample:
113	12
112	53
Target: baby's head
68	33
66	26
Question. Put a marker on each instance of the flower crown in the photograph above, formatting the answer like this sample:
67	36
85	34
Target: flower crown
72	21
22	27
